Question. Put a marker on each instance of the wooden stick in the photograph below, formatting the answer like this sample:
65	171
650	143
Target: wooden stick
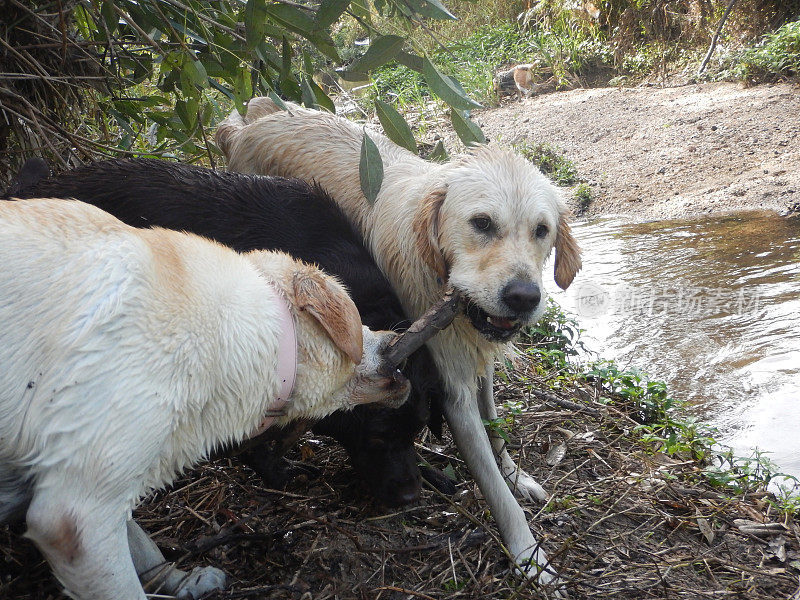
439	316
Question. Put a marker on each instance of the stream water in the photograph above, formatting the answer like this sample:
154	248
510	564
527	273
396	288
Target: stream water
711	306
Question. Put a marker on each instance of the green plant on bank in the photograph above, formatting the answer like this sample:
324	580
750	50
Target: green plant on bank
664	426
555	338
560	169
776	55
451	585
741	475
583	195
549	160
502	425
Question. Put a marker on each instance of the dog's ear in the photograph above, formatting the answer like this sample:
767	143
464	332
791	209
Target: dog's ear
333	309
426	231
568	254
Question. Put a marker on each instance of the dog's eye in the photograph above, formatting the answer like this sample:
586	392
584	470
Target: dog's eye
542	230
481	223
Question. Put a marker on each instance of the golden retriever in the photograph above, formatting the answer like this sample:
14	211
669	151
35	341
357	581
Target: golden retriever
485	223
128	355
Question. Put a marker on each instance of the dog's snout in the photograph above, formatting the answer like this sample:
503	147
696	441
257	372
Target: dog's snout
395	380
521	296
396	387
406	490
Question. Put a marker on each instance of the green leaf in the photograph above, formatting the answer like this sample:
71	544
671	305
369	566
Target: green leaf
444	87
277	100
268	55
329	12
370	169
291	89
187	112
255	16
110	17
221	88
193	73
433	9
395	126
439	154
299	22
323	100
242	86
293	18
381	51
264	86
121	120
353	76
412	61
286	66
309	99
467	130
360	9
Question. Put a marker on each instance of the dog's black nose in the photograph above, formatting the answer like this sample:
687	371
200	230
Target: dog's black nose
521	296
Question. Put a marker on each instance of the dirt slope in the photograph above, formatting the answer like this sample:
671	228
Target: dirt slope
669	152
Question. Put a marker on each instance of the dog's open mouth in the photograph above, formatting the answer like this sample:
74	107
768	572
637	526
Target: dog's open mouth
498	329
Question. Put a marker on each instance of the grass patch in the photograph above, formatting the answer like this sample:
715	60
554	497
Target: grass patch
583	196
550	161
474	59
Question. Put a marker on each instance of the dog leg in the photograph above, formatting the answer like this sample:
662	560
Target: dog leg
520	482
464	420
85	543
15	494
438	479
161	576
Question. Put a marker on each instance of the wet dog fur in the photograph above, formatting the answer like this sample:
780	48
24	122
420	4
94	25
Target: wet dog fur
485	223
129	355
271	213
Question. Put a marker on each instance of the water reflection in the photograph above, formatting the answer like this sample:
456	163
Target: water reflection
711	306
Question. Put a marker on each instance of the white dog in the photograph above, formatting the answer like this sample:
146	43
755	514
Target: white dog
484	223
128	355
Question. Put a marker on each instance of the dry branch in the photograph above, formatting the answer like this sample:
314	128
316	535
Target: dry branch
439	316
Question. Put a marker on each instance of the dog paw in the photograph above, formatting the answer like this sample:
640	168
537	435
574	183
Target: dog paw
524	486
439	480
201	581
534	565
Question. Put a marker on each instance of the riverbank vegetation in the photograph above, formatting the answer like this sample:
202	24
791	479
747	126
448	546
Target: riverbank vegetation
81	79
608	41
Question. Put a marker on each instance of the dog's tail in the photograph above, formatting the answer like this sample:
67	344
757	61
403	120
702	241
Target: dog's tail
257	107
260	106
227	130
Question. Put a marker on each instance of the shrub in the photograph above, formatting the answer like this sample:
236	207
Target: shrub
776	55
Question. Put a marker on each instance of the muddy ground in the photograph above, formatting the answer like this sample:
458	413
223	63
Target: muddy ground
624	522
654	153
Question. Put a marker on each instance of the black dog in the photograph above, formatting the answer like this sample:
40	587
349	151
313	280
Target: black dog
270	213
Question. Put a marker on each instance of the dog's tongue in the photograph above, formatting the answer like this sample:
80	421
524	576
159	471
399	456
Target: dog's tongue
502	322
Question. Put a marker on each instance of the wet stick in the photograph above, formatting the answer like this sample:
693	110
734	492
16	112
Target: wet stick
436	318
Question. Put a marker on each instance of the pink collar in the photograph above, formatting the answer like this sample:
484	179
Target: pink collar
287	363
